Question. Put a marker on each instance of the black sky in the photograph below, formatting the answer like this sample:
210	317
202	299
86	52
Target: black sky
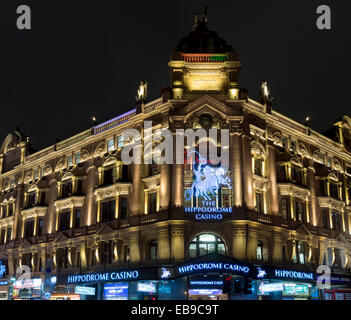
85	58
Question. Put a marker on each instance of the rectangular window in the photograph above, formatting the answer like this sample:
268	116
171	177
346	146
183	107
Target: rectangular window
42	171
110	176
299	211
281	173
258	167
258	205
123	206
66	189
107	252
325	216
323	188
329	161
334	190
284	141
110	144
336	218
77	157
69	160
9	234
285	208
77	219
2	237
108	210
120	142
32	199
10	209
300	249
4	211
293	145
152	202
65	221
40	227
29	228
296	176
36	174
12	183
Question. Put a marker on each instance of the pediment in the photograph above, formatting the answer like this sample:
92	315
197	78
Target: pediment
26	244
340	237
61	237
105	229
206	104
303	230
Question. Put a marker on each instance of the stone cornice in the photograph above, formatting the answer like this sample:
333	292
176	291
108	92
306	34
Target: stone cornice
119	188
71	202
34	212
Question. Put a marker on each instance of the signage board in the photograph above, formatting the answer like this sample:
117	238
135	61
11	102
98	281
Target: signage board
4	283
295	289
146	287
204	292
89	291
102	277
270	287
116	290
235	268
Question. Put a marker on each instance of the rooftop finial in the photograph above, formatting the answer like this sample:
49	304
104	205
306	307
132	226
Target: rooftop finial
200	18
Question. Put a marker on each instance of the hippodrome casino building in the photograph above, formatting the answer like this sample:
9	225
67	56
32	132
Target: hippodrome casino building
90	227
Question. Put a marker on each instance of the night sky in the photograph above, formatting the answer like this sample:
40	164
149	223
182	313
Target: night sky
85	58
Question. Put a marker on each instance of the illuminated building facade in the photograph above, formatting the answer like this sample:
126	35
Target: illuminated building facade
77	210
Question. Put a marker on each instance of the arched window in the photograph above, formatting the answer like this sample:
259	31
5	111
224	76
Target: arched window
153	250
259	251
206	243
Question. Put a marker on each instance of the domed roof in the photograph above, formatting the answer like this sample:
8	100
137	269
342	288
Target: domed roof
203	40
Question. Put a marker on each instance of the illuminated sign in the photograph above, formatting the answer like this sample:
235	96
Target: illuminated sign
270	287
165	273
279	273
2	269
204	292
28	283
295	289
84	290
116	290
146	287
206	283
106	276
214	266
4	283
208	181
261	273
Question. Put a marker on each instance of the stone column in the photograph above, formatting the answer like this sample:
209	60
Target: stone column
163	244
10	263
165	186
235	167
83	255
17	212
134	248
43	257
90	207
277	248
272	174
135	203
248	176
323	248
314	219
51	217
239	242
178	185
177	242
251	244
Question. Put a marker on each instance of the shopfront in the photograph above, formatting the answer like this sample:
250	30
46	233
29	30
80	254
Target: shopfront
27	289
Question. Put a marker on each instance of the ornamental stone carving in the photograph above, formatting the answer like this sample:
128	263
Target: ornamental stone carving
28	176
60	164
109	161
303	150
84	155
100	149
48	169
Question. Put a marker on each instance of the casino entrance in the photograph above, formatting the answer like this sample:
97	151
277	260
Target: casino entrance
205	287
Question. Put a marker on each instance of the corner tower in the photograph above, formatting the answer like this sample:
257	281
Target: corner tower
204	63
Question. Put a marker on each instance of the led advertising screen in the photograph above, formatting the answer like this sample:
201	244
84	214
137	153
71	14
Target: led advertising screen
116	291
146	287
204	292
295	289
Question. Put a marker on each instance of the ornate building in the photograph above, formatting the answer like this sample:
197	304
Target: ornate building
75	208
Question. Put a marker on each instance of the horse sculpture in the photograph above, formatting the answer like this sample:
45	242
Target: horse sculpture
207	180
